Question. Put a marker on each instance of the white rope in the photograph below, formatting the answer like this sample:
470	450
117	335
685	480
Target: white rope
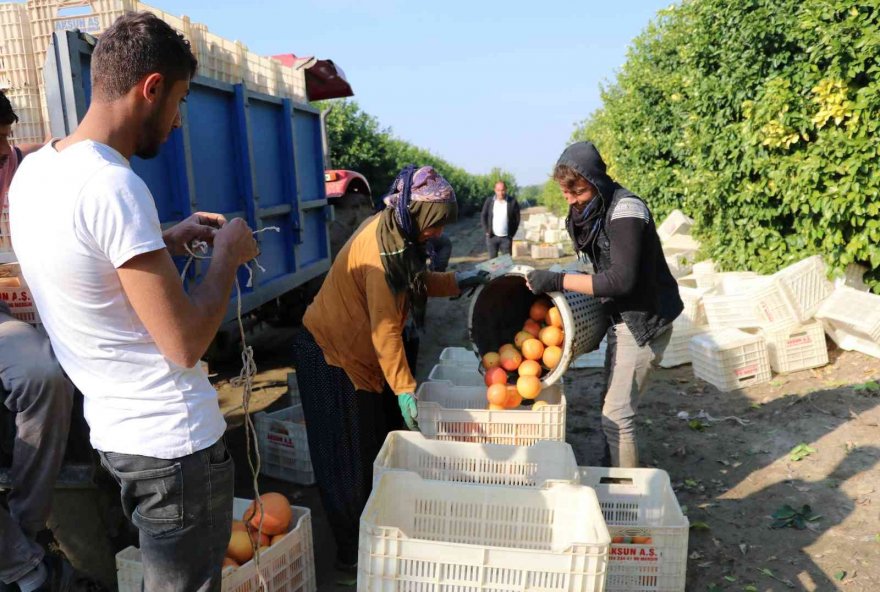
245	379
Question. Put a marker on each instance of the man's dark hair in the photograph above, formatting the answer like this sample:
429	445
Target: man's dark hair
136	45
7	115
567	177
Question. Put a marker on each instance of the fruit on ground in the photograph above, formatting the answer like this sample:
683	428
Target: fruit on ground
497	394
491	360
551	335
511	359
538	311
532	327
554	317
528	386
496	375
552	356
276	513
520	338
533	349
530	368
239	548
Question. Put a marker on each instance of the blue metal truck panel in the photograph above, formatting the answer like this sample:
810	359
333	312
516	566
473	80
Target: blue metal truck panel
238	153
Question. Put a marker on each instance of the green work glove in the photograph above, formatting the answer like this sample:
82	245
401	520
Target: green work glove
409	409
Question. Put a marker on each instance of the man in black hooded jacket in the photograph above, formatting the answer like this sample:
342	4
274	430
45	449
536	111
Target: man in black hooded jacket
613	228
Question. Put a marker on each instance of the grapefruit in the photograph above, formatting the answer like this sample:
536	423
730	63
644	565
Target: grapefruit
510	359
277	514
238	525
530	368
521	337
551	335
497	394
538	311
539	404
552	355
239	548
533	349
227	562
554	317
494	407
528	386
496	375
514	399
531	327
491	360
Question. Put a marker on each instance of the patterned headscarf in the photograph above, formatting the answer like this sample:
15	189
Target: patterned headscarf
418	199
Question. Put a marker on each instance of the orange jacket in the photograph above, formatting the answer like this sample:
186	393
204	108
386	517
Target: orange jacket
358	322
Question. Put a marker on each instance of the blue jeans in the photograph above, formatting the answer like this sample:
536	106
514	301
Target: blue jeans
183	510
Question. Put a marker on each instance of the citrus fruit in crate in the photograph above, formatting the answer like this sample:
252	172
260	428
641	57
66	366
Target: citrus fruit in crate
514	399
511	359
497	394
521	337
530	368
551	335
532	327
554	317
538	405
276	514
239	548
496	375
538	310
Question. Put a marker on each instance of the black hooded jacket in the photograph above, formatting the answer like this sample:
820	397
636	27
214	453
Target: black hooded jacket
617	233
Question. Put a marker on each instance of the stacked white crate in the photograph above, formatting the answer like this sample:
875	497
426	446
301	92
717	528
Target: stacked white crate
730	359
690	322
852	319
544	237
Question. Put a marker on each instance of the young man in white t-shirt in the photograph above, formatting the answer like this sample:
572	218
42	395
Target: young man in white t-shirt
88	237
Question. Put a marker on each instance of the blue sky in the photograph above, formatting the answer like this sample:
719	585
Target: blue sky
480	83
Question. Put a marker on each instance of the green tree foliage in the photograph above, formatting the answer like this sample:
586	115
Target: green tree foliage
759	119
358	143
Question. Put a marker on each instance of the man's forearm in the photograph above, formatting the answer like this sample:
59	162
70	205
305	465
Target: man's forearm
211	299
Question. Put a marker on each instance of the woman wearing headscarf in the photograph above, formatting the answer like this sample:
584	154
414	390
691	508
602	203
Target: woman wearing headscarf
613	228
351	366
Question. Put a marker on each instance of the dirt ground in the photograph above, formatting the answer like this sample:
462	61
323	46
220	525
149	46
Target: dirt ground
730	477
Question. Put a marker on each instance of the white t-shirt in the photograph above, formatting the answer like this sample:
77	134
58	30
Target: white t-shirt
499	217
78	215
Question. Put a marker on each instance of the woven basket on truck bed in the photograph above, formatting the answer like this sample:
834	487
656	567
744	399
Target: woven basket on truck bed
499	309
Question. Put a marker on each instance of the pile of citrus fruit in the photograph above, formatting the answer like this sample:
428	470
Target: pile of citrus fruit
277	515
514	372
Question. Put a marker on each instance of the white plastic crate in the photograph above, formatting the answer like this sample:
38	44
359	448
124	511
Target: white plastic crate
459	355
17	68
546	252
457	375
640	505
520	249
797	349
594	359
284	446
730	359
484	464
679	264
852	312
433	536
287	566
534	236
694	313
678	350
554	235
851	342
16	294
461	414
675	223
26	103
806	285
293	389
681	243
749	303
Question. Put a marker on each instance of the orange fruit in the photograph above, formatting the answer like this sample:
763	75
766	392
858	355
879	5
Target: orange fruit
530	368
539	404
239	548
494	407
238	525
538	311
514	399
531	327
227	562
506	347
264	538
491	360
277	514
551	335
496	375
552	355
277	538
497	394
521	337
533	349
528	386
510	359
554	317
